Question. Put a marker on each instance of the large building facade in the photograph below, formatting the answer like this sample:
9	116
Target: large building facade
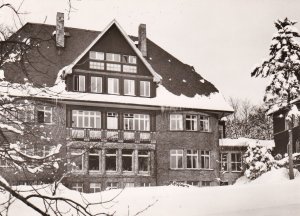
129	113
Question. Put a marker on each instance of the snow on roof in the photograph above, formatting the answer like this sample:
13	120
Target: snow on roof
215	101
244	142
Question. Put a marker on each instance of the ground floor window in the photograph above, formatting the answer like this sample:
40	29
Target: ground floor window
176	159
95	187
111	185
77	186
146	184
224	161
193	183
236	162
205	183
129	184
205	159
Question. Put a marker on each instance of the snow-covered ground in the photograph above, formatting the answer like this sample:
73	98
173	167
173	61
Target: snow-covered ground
271	194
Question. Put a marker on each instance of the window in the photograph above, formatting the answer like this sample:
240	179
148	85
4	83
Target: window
146	184
95	187
192	159
43	151
204	123
111	185
112	120
127	160
96	84
143	161
97	65
129	184
129	59
113	57
224	183
113	86
129	87
140	122
176	159
236	162
193	183
145	88
44	114
129	69
191	122
77	186
111	160
79	83
224	161
86	119
205	183
77	158
176	122
94	160
96	55
221	131
113	67
205	159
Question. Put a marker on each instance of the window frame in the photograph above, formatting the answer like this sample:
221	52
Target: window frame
143	156
191	156
235	163
97	54
193	119
204	119
178	125
93	187
111	155
145	86
177	156
96	154
114	116
203	159
77	186
137	119
125	156
81	78
75	114
97	79
95	65
113	84
45	109
75	155
131	87
224	164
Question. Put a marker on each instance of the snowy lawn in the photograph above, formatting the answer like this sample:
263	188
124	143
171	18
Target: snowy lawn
272	194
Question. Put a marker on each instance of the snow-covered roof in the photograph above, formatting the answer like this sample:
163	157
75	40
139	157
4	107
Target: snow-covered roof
244	142
164	98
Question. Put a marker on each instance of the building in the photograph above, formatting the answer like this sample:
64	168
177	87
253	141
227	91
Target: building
281	130
127	112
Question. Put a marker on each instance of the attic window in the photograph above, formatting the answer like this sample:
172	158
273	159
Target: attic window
113	57
129	59
96	55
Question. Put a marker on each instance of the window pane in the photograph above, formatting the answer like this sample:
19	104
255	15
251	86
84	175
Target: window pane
129	87
113	85
113	67
129	69
145	88
97	65
127	156
96	84
112	120
111	160
113	57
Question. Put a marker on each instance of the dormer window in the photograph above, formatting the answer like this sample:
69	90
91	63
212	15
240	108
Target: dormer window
79	83
127	59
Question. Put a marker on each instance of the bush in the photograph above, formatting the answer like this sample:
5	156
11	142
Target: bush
257	160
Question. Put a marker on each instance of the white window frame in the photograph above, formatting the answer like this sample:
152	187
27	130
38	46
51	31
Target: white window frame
77	186
129	184
97	153
46	110
193	156
114	57
98	55
95	187
203	158
112	120
129	87
74	153
113	86
177	154
113	67
178	122
81	83
130	68
130	59
238	164
96	65
145	89
204	123
138	121
91	116
193	120
97	81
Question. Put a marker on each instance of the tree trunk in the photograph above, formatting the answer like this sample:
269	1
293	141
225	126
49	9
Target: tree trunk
290	150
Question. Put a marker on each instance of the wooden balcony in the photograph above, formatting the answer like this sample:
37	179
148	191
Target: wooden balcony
107	135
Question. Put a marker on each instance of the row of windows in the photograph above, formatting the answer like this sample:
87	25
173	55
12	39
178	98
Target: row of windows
231	162
128	62
113	86
92	119
193	183
97	187
126	159
181	122
189	159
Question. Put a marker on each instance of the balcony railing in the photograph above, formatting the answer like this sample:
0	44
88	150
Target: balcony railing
107	135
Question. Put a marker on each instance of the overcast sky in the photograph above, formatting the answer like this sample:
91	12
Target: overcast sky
222	39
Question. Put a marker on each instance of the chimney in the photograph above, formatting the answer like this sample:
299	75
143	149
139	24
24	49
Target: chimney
142	39
60	32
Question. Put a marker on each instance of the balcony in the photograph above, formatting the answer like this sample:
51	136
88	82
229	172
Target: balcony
107	135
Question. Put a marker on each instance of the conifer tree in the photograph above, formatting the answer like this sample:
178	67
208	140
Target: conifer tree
283	68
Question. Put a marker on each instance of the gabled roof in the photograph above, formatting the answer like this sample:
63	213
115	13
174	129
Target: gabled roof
156	77
179	80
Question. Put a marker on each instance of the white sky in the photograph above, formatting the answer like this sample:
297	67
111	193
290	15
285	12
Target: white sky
222	39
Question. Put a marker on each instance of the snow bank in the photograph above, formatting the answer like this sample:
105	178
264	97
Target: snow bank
245	142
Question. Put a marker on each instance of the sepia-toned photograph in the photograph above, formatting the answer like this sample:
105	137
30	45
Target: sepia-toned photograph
149	108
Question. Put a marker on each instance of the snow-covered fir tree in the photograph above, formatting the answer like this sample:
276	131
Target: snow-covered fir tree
282	66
